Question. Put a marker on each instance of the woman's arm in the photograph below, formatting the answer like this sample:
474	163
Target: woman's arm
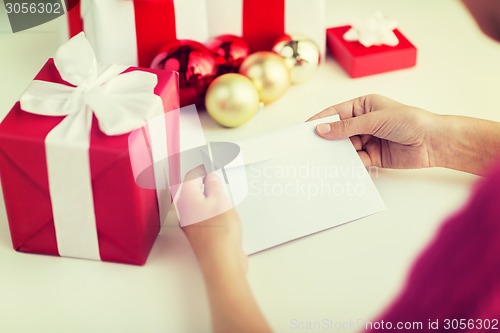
232	304
214	232
466	144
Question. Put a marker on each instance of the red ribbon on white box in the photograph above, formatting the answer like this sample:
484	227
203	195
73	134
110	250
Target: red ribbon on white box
120	102
261	22
130	32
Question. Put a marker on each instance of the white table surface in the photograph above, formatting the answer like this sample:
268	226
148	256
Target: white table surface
346	273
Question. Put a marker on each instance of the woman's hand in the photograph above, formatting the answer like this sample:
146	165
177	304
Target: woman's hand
385	133
389	134
211	224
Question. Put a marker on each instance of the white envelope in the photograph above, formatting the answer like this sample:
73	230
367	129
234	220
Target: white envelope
295	183
299	184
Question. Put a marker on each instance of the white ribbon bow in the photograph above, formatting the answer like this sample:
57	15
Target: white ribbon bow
373	30
120	102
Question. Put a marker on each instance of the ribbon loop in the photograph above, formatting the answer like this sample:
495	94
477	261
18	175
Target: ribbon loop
76	61
120	102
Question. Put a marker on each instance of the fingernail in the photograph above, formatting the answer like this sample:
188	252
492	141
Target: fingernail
323	128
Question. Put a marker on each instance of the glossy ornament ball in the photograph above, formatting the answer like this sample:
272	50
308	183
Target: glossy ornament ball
196	65
269	73
301	54
230	52
232	100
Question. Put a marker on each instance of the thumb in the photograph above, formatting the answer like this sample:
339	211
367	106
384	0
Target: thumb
346	128
196	173
213	185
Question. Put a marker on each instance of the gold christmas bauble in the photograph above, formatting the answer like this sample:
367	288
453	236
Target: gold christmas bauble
232	100
269	73
301	55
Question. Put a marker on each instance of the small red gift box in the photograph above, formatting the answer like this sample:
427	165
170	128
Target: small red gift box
358	60
127	217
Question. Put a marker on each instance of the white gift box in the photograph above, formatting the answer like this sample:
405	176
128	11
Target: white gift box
261	22
131	32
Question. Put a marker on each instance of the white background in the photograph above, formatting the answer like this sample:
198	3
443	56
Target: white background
347	273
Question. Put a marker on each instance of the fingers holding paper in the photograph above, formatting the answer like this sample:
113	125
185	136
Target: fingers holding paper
355	107
208	219
385	133
201	197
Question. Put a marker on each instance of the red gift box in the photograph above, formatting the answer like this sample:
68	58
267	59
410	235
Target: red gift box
127	216
358	60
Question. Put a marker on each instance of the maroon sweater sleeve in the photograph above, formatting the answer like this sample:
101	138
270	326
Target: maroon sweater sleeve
458	274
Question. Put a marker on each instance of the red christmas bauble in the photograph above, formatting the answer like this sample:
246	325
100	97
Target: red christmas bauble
197	67
230	51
